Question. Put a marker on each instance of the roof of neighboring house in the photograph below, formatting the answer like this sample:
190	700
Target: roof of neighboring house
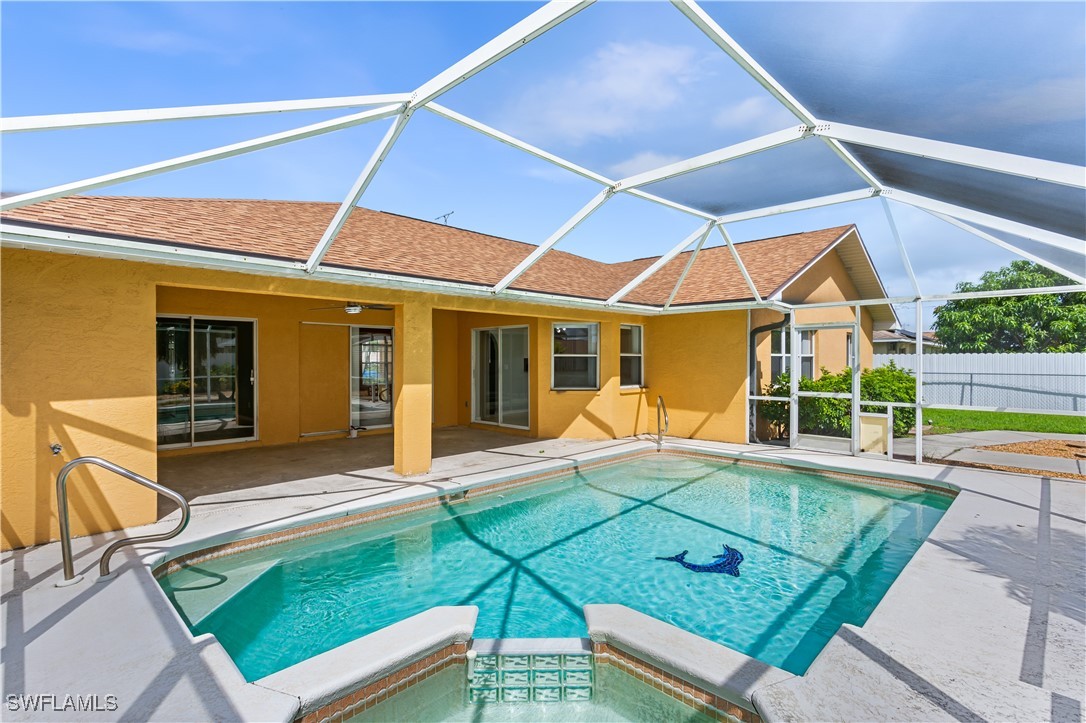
904	335
388	243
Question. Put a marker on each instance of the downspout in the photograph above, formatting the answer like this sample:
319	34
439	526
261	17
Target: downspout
752	386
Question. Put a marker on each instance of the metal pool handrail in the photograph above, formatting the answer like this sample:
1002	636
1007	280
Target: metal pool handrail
661	430
65	527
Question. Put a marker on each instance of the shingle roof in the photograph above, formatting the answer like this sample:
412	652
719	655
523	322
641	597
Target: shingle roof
389	243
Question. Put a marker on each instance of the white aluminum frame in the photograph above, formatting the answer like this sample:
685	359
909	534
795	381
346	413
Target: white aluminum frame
900	246
1009	163
549	16
698	235
999	223
403	105
686	270
539	22
739	262
355	194
22	124
1079	276
714	158
587	210
201	157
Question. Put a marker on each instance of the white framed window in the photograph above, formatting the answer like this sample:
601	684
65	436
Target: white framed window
781	356
575	356
631	355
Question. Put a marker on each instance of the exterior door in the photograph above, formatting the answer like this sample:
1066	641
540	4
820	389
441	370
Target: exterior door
371	377
206	379
500	380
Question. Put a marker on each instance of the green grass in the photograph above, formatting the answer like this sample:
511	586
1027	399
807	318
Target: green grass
948	421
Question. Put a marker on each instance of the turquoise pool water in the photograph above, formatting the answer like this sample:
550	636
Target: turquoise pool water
818	553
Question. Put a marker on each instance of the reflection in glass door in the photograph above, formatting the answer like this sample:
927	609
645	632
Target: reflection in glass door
174	383
371	377
500	377
206	380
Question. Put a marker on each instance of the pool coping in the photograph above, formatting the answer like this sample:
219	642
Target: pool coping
367	670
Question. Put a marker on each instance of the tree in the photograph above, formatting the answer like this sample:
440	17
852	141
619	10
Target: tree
1036	323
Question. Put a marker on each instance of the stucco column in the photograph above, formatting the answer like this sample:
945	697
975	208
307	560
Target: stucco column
413	392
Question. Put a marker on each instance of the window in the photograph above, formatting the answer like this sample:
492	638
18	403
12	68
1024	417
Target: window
575	356
780	355
631	361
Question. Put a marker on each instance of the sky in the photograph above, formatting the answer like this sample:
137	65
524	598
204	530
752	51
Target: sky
620	88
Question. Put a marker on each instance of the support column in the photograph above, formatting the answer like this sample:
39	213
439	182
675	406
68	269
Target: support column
413	388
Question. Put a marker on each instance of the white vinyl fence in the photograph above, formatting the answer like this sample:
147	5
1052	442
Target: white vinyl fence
1044	382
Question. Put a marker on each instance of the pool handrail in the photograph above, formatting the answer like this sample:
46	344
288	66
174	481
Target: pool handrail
65	527
661	429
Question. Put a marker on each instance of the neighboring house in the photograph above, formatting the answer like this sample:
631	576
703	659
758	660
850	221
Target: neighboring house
902	341
133	331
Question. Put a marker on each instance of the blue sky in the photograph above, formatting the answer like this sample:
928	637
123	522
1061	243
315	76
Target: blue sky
619	89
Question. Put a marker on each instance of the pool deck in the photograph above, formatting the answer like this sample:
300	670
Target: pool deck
987	622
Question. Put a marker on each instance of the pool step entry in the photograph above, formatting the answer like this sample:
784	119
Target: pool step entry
542	671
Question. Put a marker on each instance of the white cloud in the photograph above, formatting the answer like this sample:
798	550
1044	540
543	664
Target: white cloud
623	87
643	161
759	113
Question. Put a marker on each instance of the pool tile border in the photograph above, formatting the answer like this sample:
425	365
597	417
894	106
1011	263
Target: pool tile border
379	691
452	497
681	690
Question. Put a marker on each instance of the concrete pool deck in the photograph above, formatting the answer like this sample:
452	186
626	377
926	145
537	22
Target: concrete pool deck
985	623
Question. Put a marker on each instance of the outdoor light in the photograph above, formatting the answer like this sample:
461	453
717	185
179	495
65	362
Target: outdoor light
353	308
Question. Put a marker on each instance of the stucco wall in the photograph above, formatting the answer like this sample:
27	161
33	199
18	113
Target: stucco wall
78	369
697	363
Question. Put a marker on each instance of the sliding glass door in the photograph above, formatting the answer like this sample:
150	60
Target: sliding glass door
371	377
206	380
500	376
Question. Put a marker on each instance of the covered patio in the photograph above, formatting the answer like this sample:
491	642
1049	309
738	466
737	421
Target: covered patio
219	480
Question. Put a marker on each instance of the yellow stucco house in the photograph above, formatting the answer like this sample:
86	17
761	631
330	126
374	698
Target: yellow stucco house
131	333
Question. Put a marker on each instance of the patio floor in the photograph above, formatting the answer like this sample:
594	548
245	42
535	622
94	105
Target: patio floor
327	466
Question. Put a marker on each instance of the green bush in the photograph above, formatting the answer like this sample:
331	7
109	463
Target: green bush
833	416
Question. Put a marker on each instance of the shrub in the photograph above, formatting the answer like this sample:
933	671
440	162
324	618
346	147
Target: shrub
833	416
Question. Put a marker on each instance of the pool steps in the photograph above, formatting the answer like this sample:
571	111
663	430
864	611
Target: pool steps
541	671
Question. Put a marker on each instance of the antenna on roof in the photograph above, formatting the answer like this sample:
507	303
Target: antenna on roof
445	218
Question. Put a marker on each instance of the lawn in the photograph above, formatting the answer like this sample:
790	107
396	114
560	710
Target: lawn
948	421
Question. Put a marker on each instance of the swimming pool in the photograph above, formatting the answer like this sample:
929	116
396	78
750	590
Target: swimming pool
817	553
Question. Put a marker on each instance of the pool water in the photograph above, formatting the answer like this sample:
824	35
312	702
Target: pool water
818	553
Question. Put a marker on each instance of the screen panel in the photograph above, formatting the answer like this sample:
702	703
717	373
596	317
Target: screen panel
795	172
1009	76
1061	209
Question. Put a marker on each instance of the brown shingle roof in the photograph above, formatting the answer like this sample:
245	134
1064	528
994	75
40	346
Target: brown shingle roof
389	243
